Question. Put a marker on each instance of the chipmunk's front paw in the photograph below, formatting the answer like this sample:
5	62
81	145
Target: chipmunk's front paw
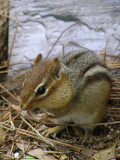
88	138
52	131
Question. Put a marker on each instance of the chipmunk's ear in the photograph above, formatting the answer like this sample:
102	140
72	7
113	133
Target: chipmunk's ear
38	59
55	67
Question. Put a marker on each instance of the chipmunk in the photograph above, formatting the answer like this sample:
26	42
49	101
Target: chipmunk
74	89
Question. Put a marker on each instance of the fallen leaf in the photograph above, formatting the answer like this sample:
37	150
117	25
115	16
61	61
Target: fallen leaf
22	145
38	152
105	154
2	135
88	151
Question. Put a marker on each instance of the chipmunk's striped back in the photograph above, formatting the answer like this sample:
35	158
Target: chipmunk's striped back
88	65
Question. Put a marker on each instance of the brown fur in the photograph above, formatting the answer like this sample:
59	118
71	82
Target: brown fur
69	96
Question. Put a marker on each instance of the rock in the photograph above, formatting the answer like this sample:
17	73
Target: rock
42	22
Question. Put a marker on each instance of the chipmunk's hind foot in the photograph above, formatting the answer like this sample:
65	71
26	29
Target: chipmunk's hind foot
53	131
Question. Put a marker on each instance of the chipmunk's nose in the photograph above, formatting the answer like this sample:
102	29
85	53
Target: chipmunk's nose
26	107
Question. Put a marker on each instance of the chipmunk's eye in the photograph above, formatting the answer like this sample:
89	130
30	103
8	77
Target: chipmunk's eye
57	74
41	90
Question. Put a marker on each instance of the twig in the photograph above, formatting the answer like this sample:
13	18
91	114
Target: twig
91	124
43	138
12	70
24	151
11	150
12	18
63	49
9	93
12	45
52	141
104	55
11	121
56	152
3	66
22	131
74	43
18	63
6	101
60	37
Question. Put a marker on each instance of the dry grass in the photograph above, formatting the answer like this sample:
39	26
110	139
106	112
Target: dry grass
27	129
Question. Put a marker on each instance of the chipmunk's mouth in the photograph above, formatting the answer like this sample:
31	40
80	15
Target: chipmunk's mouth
26	113
26	107
36	111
